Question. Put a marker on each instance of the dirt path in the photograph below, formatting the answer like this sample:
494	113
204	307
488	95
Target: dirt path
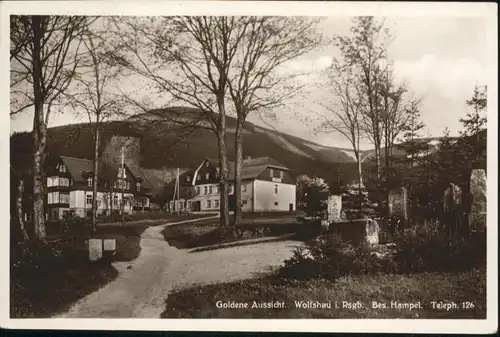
143	284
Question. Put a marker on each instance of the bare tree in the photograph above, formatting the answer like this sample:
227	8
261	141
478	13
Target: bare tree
345	113
262	45
43	68
187	58
365	52
92	94
395	104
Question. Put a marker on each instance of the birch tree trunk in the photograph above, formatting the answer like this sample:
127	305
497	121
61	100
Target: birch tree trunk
237	172
224	191
95	178
19	204
39	133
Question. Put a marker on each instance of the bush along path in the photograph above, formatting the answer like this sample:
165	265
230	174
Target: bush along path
143	285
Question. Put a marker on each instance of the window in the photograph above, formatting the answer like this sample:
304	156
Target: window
281	174
64	198
52	181
188	179
244	202
243	187
189	204
138	186
217	189
209	204
197	191
231	187
89	199
209	189
62	168
121	173
271	173
216	203
63	182
207	176
198	177
115	200
205	189
53	198
122	184
89	181
275	189
275	203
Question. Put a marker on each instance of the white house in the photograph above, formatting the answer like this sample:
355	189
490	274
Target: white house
266	186
70	189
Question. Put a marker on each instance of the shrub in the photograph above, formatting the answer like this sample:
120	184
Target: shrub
329	257
435	251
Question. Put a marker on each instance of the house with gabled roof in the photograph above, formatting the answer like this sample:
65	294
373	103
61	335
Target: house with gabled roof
266	186
70	188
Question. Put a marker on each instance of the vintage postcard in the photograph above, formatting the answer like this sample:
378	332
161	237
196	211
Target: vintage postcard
250	166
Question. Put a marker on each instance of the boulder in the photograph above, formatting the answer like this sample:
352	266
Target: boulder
357	232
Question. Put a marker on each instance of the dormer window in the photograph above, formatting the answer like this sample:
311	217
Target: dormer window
198	178
188	179
121	173
138	186
207	176
207	164
89	181
61	168
271	173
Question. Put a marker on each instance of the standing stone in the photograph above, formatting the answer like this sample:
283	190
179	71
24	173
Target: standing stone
334	208
452	198
398	202
372	231
95	249
477	217
478	190
109	245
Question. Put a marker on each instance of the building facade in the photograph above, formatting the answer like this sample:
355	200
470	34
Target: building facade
266	186
70	189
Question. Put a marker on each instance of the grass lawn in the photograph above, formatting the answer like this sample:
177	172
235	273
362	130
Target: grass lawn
47	293
201	302
208	232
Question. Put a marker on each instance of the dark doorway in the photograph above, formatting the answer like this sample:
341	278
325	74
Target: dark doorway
231	203
291	207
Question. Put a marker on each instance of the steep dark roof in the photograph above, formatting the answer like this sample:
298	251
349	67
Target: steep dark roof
251	167
153	179
77	167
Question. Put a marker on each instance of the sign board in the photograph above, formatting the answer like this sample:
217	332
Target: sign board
95	249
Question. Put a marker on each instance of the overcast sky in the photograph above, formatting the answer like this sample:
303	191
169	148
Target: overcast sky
441	58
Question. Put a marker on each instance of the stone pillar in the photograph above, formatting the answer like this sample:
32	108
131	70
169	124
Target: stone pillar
477	216
398	202
334	208
372	231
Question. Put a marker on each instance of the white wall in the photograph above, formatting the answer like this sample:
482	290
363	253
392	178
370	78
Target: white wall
77	200
202	198
247	196
265	197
